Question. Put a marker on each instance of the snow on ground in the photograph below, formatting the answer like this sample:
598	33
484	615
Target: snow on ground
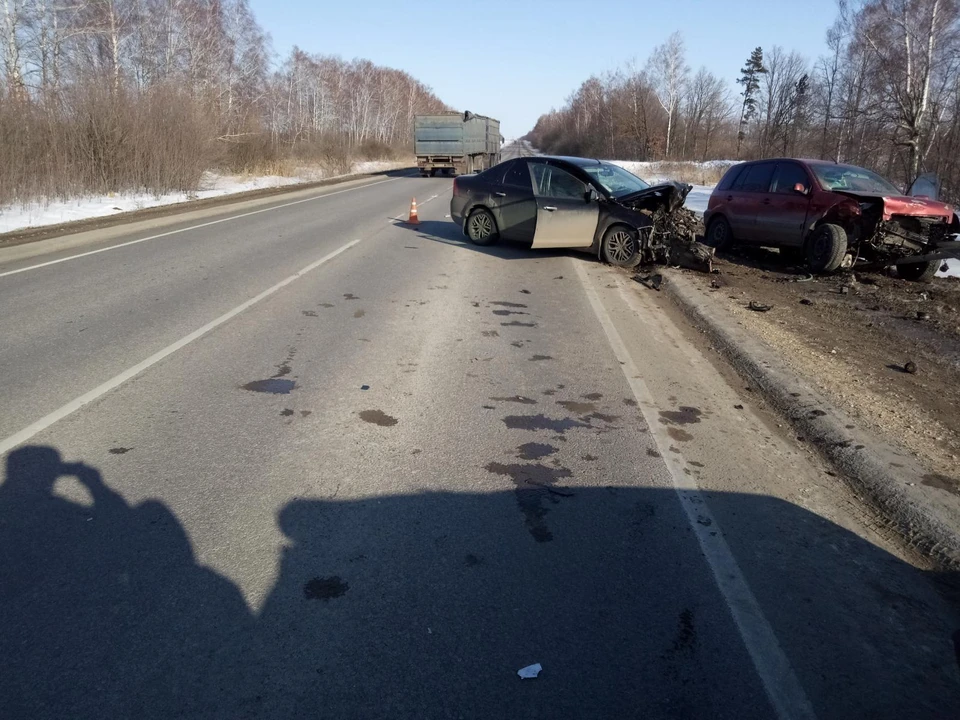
953	269
53	212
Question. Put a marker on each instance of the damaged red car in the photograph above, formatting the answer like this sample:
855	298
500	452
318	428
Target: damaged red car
831	215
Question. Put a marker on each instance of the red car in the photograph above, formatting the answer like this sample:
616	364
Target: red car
833	215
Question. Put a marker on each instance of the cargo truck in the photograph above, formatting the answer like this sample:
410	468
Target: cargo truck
455	142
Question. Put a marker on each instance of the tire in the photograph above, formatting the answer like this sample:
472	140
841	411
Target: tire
482	228
919	272
620	246
827	248
719	235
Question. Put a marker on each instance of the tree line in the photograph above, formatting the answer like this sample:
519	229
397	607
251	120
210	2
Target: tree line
885	95
109	95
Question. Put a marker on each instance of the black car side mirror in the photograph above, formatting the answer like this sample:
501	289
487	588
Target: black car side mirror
590	195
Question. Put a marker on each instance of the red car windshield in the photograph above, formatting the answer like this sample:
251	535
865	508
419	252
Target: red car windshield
852	178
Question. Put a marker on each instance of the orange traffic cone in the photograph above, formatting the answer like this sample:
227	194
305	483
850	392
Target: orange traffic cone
414	220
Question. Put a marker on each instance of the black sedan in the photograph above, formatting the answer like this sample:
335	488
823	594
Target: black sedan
568	202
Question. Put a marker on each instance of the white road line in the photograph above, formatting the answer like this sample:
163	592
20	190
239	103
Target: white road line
781	684
192	227
43	423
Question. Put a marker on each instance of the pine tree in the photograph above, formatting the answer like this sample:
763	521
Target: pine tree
750	79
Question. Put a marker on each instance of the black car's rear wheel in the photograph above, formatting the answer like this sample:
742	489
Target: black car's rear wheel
621	246
482	228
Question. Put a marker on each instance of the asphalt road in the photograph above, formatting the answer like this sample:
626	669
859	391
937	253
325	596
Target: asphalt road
310	461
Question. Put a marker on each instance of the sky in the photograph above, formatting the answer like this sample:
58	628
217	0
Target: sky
516	60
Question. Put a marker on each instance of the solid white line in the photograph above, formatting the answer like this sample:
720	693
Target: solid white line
787	696
71	407
192	227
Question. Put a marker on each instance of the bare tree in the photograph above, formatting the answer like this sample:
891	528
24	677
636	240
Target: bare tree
668	70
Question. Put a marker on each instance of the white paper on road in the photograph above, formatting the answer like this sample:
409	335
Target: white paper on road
529	672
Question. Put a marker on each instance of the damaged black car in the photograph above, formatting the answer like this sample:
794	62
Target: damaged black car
570	202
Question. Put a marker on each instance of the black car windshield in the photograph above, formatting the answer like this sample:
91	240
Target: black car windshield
854	179
615	180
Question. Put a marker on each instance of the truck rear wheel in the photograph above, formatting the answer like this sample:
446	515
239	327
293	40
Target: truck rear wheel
827	248
919	272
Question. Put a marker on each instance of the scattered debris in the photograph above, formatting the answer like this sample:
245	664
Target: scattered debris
759	307
530	671
738	407
652	281
910	367
364	387
844	289
525	292
806	301
921	315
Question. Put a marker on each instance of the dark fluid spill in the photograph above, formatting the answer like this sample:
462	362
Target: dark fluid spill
378	417
503	303
325	588
490	333
686	637
119	450
535	451
515	399
286	412
592	396
942	482
535	486
509	312
274	386
517	323
608	419
682	416
575	406
537	358
679	434
542	422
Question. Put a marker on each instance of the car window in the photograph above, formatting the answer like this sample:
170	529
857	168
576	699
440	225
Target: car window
730	178
788	175
551	181
756	178
518	176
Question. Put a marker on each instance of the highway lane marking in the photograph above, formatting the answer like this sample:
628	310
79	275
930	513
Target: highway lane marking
787	696
8	444
188	229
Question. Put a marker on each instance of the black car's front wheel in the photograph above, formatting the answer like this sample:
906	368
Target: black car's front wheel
620	246
482	228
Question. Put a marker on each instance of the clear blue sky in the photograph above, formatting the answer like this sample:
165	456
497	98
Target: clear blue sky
516	60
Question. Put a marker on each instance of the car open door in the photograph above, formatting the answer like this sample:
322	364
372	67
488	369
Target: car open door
567	214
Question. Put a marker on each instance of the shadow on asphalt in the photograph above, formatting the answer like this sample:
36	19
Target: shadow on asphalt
426	605
448	233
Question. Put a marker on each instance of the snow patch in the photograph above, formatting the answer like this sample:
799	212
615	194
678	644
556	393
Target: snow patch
54	212
953	269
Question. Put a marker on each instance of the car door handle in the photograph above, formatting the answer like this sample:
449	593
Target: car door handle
500	194
549	208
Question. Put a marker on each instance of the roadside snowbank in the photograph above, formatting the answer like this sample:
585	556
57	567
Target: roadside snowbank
54	212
